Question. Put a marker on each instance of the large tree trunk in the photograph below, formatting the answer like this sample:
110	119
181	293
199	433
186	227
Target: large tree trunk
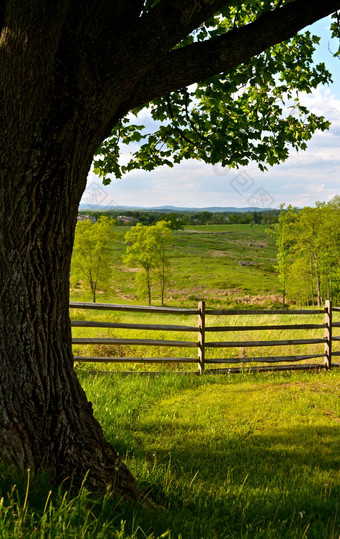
45	419
50	128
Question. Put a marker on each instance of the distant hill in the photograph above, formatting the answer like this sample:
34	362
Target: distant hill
168	209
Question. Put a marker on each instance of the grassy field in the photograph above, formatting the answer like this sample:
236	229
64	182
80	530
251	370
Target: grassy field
221	456
233	456
224	264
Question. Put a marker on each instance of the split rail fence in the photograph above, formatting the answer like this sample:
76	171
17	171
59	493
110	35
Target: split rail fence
202	343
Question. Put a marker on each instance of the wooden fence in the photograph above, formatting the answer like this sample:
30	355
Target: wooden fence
202	343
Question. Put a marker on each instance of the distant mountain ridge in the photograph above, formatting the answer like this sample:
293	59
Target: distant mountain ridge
167	209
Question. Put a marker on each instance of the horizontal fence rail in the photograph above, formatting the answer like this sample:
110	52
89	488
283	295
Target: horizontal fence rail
132	308
157	327
149	342
247	344
202	345
254	328
267	311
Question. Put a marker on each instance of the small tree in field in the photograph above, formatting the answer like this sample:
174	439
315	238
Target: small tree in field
147	250
163	237
283	233
139	253
92	254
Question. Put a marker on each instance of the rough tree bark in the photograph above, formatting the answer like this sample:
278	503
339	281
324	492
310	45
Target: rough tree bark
68	71
49	137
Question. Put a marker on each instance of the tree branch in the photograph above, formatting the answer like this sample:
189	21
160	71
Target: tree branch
115	36
170	21
199	61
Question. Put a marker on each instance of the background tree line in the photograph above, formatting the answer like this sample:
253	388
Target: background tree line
177	220
308	252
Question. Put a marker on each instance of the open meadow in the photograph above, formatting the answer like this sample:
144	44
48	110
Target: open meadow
225	264
167	370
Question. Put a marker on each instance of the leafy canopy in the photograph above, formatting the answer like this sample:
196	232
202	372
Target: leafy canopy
308	246
250	113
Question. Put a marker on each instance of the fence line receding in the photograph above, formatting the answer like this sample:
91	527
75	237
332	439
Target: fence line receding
202	331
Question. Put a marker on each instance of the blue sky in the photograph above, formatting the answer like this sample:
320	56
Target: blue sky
306	177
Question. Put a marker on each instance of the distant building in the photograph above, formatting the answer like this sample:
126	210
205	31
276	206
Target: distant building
87	218
126	219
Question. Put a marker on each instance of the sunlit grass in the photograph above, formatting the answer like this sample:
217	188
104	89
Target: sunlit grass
256	453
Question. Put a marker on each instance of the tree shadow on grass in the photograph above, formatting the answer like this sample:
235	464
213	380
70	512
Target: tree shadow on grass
287	481
295	448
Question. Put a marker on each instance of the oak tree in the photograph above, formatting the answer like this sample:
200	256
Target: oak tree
70	72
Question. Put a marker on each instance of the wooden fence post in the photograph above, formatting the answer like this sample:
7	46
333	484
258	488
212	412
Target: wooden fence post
328	334
201	336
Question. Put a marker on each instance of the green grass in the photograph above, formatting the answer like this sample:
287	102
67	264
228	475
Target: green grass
224	264
222	456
